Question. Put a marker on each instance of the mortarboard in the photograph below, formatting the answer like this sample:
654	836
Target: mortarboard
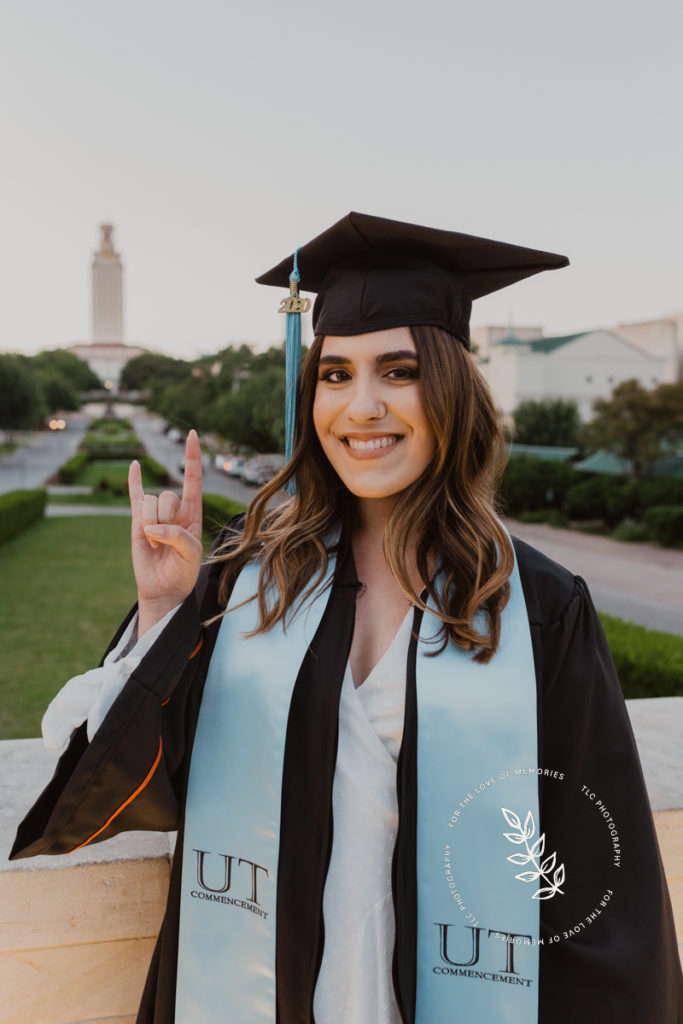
371	273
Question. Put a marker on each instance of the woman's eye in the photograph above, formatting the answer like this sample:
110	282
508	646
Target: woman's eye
402	373
334	376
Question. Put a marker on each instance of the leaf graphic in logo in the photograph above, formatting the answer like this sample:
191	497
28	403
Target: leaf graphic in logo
538	847
548	864
533	856
528	876
511	818
519	858
544	894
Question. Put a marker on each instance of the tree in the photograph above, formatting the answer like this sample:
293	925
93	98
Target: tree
73	370
553	421
153	371
21	401
254	414
58	392
638	425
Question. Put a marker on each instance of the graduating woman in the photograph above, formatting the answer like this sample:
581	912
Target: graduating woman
400	764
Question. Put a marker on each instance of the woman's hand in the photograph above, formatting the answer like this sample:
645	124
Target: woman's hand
166	539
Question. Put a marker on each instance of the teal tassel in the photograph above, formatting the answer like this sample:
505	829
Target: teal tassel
293	365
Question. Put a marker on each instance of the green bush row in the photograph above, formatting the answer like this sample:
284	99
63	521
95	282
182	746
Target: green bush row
665	523
114	452
216	511
158	472
111	426
648	663
19	509
70	469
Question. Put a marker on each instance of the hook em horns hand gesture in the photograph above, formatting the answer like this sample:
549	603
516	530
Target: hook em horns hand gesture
166	539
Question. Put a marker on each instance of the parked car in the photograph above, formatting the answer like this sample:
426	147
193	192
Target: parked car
258	470
230	464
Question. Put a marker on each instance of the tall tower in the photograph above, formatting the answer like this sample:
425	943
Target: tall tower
107	290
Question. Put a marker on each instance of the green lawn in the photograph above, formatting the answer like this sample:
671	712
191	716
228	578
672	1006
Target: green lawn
97	498
114	470
66	585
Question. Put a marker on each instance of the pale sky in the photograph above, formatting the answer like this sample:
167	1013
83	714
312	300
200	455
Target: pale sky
217	136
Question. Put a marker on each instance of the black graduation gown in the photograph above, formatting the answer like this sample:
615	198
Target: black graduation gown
133	775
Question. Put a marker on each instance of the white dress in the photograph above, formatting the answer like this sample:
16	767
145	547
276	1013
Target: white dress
355	981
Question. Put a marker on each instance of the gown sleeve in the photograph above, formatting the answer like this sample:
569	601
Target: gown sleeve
133	774
609	949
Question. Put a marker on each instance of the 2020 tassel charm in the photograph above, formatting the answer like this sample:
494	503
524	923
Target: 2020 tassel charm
293	306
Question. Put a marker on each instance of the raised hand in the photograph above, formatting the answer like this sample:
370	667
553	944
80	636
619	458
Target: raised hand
166	539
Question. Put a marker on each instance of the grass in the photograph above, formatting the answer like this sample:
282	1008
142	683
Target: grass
97	498
66	585
114	471
649	663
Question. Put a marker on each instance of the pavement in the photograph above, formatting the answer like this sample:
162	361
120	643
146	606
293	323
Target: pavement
642	583
149	429
31	464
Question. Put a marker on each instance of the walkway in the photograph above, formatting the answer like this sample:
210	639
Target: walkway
639	582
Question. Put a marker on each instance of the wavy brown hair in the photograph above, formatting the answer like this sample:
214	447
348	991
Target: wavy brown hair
448	513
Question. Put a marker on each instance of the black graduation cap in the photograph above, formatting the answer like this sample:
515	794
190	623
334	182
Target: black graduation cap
372	273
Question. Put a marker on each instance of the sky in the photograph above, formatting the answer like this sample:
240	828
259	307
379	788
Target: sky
218	136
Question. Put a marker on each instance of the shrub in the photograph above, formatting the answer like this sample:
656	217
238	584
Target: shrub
630	531
587	499
216	511
19	509
665	524
531	483
154	469
111	426
544	515
649	663
70	469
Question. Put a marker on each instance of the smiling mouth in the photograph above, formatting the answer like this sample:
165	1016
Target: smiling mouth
372	444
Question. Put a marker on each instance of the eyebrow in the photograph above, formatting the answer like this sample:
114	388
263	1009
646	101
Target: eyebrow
385	357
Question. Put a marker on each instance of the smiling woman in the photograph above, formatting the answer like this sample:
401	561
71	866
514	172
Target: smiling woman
346	707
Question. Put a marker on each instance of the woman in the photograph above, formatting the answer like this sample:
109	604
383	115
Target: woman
400	710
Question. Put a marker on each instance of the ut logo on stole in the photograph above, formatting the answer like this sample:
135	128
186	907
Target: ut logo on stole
447	954
222	874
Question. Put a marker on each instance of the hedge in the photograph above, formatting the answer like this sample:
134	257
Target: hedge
665	524
154	469
70	469
19	509
216	511
530	484
648	663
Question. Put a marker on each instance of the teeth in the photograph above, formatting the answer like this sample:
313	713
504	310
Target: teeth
366	446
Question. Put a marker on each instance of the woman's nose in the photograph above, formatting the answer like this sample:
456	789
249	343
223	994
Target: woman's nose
365	403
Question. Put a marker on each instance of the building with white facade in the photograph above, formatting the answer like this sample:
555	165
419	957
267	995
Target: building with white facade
582	367
106	359
662	338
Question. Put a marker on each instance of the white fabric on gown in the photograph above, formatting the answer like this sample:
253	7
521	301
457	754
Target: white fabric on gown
355	981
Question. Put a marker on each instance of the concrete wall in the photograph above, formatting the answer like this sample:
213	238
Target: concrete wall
77	932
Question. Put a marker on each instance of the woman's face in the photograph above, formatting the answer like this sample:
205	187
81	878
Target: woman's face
368	412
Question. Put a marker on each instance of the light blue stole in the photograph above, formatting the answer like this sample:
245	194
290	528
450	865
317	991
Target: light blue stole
475	723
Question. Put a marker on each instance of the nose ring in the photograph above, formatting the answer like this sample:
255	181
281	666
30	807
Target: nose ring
379	411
